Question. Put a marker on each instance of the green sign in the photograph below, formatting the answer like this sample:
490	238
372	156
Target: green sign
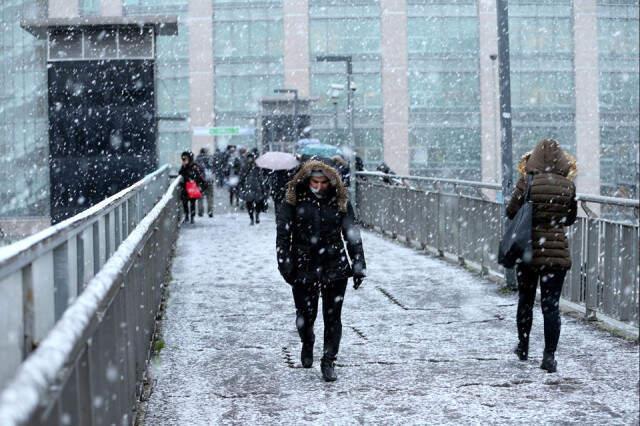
224	131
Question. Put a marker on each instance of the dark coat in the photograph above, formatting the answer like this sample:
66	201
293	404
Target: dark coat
207	165
252	184
191	172
312	232
553	195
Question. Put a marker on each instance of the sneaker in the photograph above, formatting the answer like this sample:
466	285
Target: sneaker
328	370
549	363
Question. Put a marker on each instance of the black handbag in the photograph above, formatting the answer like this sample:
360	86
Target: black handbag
516	245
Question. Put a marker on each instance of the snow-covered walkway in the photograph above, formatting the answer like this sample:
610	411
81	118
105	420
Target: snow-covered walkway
425	342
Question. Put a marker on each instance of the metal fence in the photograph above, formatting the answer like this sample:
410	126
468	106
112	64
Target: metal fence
88	368
457	218
42	274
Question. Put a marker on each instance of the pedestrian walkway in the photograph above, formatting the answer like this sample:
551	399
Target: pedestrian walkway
424	342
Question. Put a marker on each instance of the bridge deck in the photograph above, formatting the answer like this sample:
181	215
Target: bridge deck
424	342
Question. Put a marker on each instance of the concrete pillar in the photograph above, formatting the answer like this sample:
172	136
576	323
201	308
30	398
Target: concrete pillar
201	82
489	84
111	7
296	46
64	8
395	86
585	41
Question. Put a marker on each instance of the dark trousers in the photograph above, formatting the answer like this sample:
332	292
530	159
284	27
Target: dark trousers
306	300
186	203
550	289
208	195
252	207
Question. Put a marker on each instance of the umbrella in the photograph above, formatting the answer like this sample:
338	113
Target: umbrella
274	160
320	150
306	141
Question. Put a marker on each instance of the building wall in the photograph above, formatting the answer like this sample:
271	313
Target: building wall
444	95
619	91
348	28
444	89
24	146
249	65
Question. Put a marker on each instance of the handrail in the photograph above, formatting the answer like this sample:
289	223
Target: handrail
43	370
18	254
592	198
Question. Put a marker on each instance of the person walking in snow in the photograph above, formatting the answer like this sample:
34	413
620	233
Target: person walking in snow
253	189
190	172
314	223
205	161
553	195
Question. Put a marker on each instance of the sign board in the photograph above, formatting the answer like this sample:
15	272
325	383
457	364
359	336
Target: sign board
224	131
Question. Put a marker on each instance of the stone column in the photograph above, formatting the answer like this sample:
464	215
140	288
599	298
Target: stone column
64	8
201	77
395	85
489	86
111	7
296	46
585	40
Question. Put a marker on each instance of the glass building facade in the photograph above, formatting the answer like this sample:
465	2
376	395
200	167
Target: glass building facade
444	89
347	28
172	78
248	60
542	73
619	91
24	141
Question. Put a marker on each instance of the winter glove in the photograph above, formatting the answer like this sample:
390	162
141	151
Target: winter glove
357	282
286	270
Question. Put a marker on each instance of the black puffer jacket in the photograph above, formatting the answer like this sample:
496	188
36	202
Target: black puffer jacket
312	232
553	195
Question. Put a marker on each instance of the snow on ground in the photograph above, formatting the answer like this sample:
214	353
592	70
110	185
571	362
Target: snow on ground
424	342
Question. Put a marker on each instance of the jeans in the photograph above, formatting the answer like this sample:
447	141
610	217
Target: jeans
306	300
551	282
208	194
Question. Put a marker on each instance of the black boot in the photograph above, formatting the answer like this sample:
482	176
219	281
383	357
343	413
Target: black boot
522	350
328	370
549	363
306	355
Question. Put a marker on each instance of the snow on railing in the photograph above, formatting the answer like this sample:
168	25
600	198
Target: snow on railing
42	274
455	218
88	368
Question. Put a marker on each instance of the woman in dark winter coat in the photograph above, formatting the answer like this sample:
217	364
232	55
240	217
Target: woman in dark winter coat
190	171
553	195
253	189
313	225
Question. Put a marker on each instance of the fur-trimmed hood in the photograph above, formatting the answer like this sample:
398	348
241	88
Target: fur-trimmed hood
300	182
547	156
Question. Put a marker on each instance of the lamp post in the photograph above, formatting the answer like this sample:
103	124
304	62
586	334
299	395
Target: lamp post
294	132
348	60
504	76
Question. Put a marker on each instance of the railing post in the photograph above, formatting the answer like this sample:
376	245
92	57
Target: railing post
41	284
12	323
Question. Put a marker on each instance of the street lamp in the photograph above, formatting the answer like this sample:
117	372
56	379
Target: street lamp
504	76
350	88
294	132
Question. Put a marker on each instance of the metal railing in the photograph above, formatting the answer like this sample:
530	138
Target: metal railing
88	370
457	218
40	276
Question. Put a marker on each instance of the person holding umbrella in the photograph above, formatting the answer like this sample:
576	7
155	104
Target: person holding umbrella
313	225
